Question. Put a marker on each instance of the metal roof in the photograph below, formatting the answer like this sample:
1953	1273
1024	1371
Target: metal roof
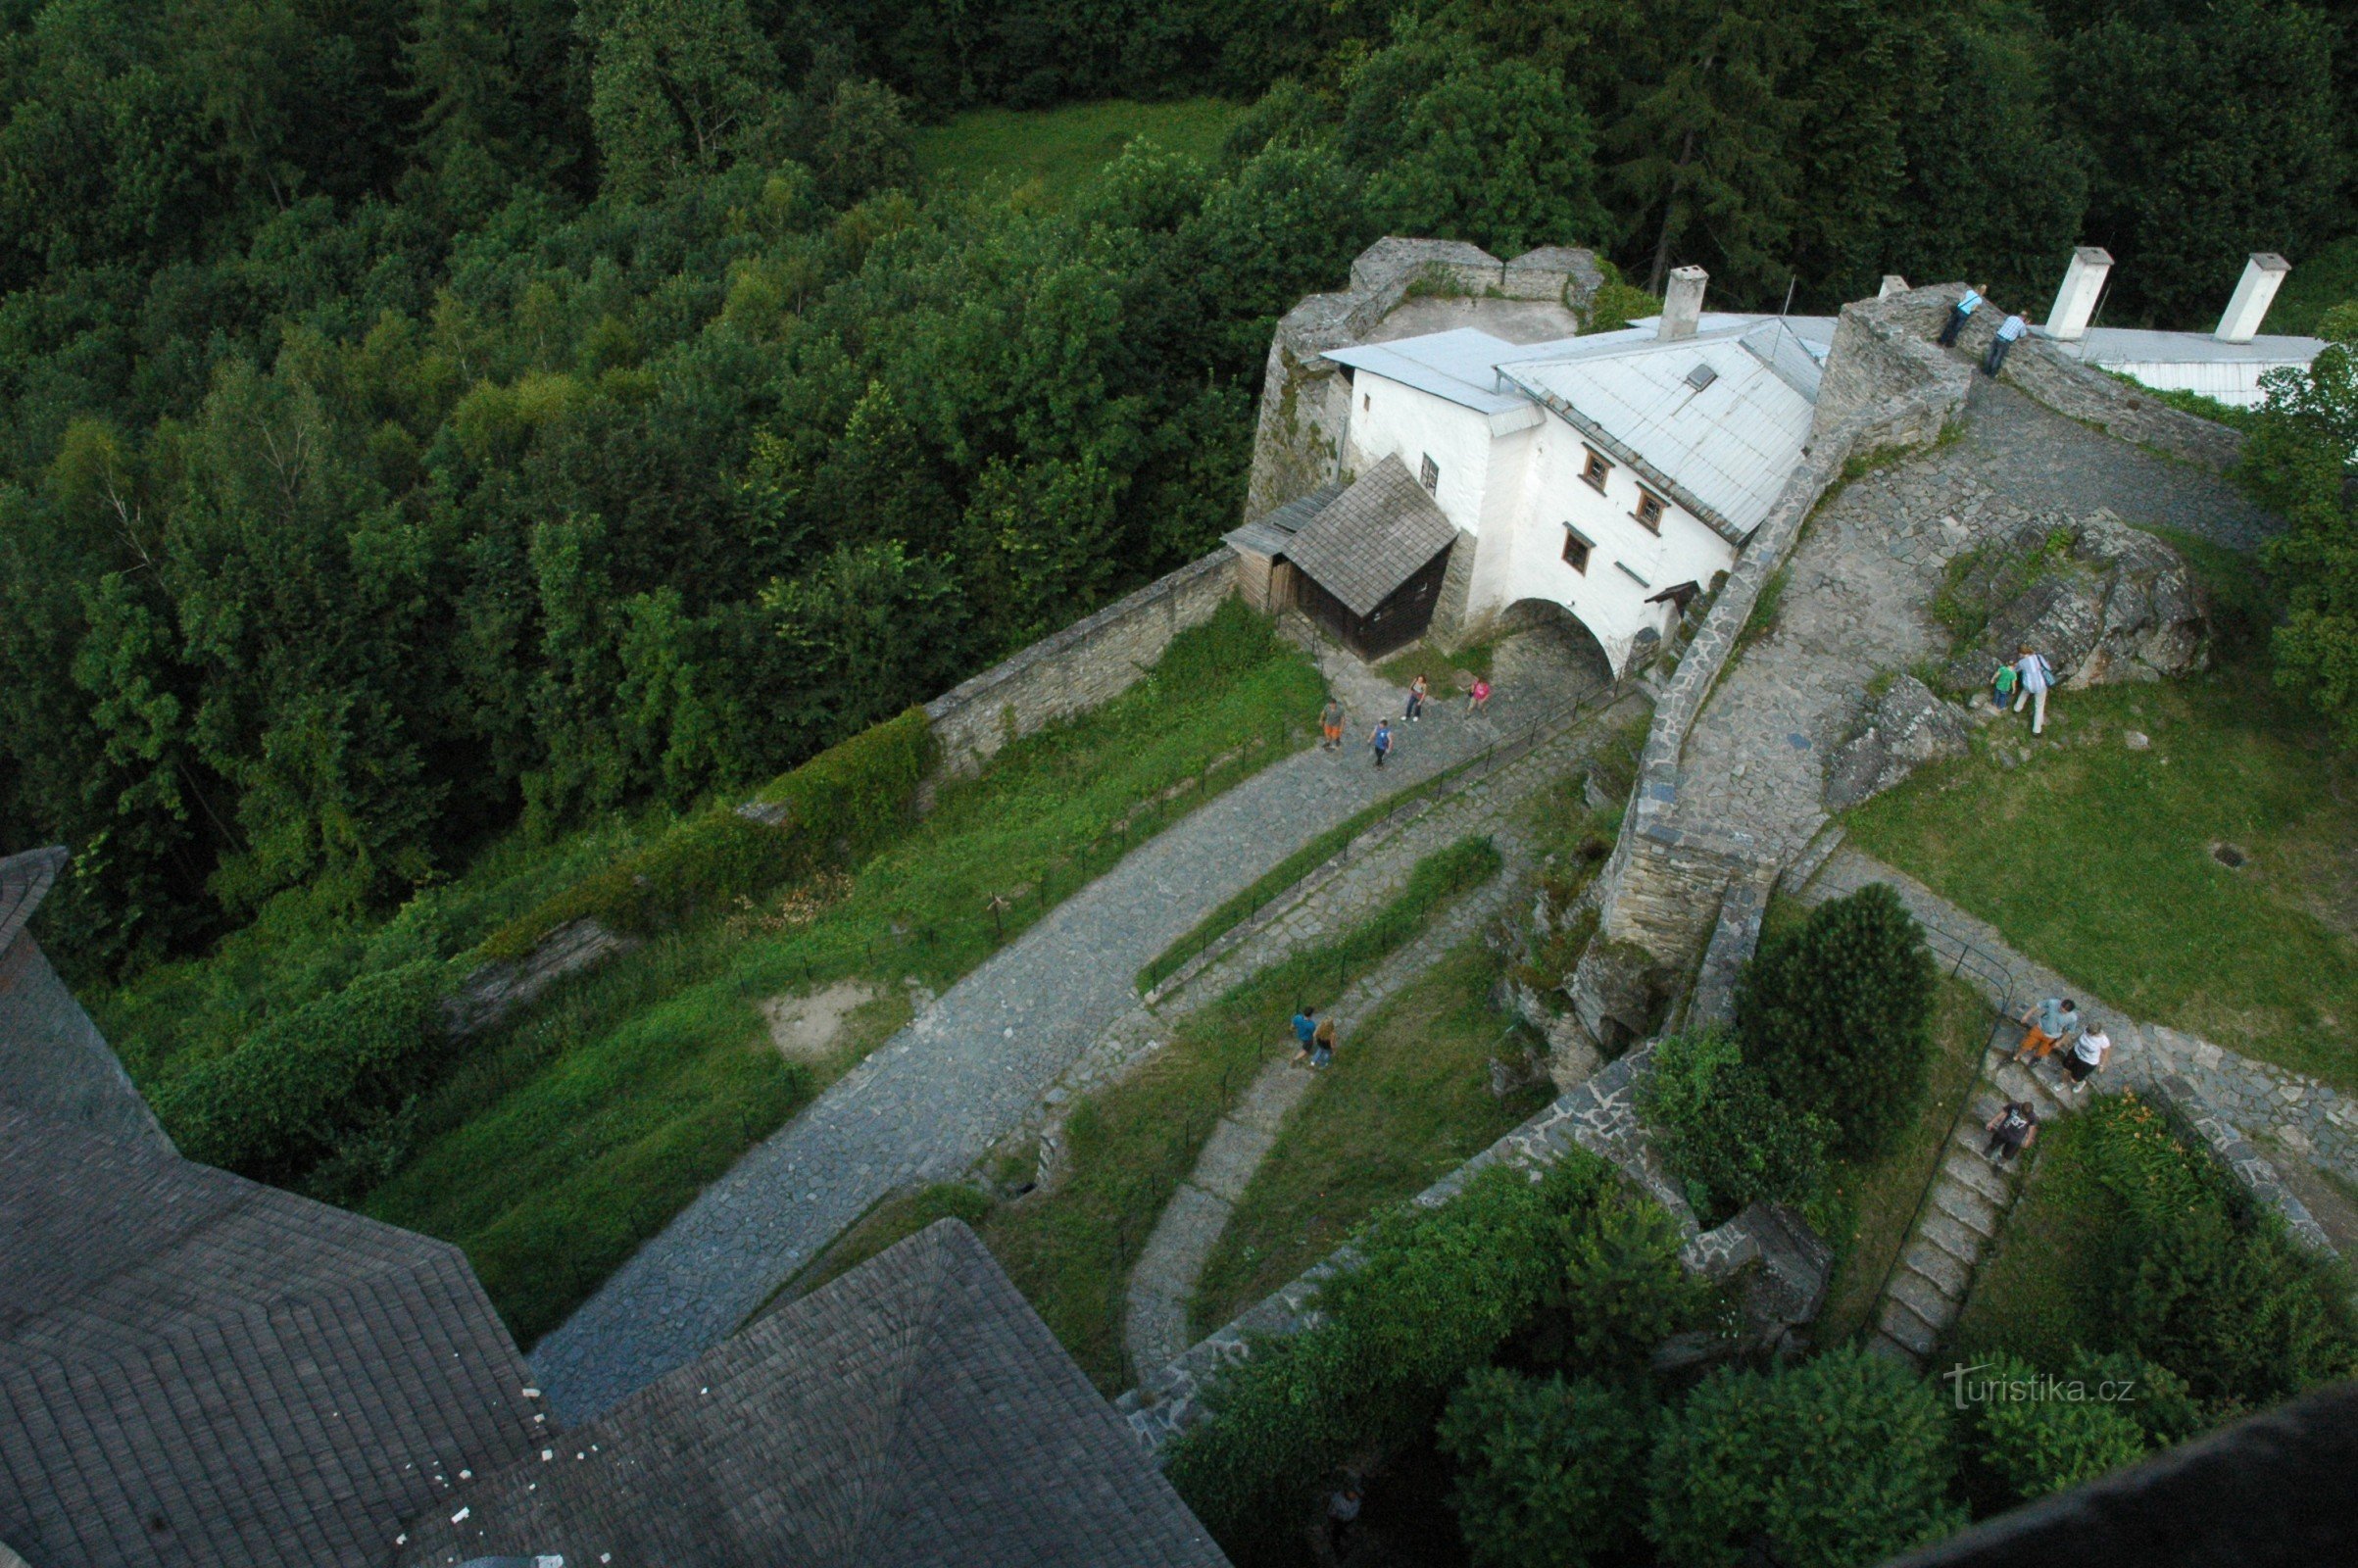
2126	345
1460	365
1372	538
1272	531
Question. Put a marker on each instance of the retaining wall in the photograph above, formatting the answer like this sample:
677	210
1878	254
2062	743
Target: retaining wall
1085	665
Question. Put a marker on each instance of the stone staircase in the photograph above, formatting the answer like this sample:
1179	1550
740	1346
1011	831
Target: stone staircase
1969	1199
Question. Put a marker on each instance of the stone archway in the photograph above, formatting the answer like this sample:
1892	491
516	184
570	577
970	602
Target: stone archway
1539	637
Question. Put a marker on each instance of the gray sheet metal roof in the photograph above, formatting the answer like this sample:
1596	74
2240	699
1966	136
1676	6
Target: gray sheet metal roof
199	1370
24	880
915	1411
2130	345
1372	538
1273	530
1460	365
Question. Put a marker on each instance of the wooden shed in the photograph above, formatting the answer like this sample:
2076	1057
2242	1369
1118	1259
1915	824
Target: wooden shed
1365	563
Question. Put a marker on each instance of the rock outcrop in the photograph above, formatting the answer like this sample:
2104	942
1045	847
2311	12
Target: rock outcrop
1908	726
2102	601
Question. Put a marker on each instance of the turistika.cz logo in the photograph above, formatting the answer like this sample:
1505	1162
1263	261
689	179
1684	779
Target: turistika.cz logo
1968	1390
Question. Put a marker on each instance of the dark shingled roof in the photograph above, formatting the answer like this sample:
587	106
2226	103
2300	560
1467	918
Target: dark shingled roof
915	1411
1372	538
1273	531
23	880
196	1369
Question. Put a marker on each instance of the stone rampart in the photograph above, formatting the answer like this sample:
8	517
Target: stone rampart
1088	663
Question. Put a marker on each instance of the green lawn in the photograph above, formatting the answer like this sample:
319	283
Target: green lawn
1060	148
563	1140
2043	1289
1072	1249
2097	861
1869	1206
2318	282
1408	1100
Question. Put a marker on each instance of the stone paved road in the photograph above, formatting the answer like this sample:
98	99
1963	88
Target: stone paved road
1861	580
932	1098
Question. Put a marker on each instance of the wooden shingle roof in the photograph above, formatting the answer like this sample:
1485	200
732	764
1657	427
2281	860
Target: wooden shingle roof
1373	537
196	1369
24	880
915	1411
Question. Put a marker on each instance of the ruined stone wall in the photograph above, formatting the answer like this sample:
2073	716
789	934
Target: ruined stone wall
1088	663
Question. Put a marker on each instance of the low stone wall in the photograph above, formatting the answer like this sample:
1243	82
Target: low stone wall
1088	663
2250	1168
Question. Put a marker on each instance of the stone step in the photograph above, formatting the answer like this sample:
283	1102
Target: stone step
2017	1082
1969	1207
1952	1276
1965	1162
1907	1328
1949	1234
1930	1302
1880	1343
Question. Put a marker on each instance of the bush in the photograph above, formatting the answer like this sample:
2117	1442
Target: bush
317	1079
1829	1464
2031	1445
1838	1016
1724	1132
842	806
1546	1470
1622	1291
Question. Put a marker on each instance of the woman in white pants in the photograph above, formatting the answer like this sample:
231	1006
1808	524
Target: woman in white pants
2036	677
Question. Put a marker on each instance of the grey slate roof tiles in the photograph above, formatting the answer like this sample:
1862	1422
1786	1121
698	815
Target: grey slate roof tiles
1271	533
1372	538
196	1369
24	880
914	1413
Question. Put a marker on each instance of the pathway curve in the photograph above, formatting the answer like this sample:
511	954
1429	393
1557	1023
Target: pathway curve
1969	1197
1862	578
929	1101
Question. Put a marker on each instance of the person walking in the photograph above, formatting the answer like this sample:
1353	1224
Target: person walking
2002	686
2010	1131
1478	699
2012	327
1958	314
1322	1044
2088	1054
2051	1023
1417	692
1330	725
1381	740
2035	675
1306	1029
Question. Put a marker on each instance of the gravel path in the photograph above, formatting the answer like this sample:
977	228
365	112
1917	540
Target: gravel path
932	1098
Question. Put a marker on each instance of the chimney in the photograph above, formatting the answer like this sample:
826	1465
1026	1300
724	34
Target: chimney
2075	300
1683	305
2255	292
1892	284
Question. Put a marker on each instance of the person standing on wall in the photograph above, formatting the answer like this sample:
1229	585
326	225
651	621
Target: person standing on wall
1959	315
2035	677
2012	327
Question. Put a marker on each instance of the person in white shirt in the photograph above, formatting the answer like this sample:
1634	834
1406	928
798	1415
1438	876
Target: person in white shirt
2087	1053
2036	677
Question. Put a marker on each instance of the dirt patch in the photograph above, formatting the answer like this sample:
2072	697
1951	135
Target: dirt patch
809	1028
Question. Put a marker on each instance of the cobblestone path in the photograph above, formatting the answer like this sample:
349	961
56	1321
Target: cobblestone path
1861	580
933	1098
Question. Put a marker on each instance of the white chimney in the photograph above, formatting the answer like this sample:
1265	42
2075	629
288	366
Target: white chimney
2255	292
2075	300
1892	284
1683	305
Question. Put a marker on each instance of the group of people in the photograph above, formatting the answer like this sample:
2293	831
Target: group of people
1379	741
2009	330
2052	1028
2026	680
1315	1036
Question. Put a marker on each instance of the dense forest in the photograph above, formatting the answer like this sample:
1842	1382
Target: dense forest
423	417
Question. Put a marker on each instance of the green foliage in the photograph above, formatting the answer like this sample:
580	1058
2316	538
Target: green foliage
2297	461
1622	1292
1836	1462
1723	1129
2033	1445
1544	1469
1837	1016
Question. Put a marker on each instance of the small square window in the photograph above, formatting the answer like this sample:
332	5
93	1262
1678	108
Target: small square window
1649	510
1576	550
1595	471
1430	474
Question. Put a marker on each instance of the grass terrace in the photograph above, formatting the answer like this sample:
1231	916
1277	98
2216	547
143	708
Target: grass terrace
1058	149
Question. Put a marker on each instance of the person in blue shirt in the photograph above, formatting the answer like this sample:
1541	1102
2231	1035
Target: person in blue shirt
1306	1029
1958	317
1381	741
2012	327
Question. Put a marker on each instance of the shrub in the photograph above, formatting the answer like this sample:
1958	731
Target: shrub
1622	1290
842	806
1724	1132
322	1076
1833	1462
1838	1016
1546	1470
2032	1444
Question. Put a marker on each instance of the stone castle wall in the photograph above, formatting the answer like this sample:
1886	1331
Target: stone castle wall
1085	665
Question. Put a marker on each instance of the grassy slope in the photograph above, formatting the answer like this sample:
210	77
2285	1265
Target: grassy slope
2041	1291
2095	859
1059	148
1072	1249
1408	1099
573	1134
1877	1199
